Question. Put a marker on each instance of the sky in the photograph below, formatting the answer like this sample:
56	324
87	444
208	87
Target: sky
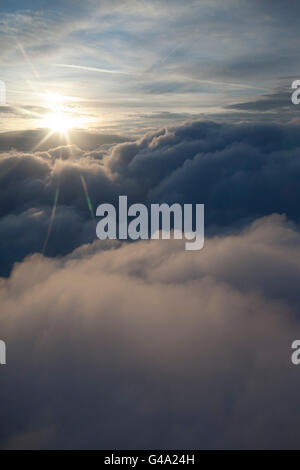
130	66
143	345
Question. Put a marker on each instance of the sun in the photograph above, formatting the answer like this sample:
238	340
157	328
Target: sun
60	118
58	122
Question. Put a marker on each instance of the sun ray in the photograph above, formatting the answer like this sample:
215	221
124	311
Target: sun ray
43	140
56	195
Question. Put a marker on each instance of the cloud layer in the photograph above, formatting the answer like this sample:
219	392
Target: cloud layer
145	345
240	172
148	346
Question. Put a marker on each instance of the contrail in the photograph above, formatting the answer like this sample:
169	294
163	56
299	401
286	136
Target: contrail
149	71
26	57
92	69
163	59
238	85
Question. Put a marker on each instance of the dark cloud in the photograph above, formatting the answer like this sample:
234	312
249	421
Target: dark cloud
31	139
279	101
25	111
240	172
256	66
149	346
277	12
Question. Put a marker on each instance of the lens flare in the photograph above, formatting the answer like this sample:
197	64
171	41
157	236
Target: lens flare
51	219
88	200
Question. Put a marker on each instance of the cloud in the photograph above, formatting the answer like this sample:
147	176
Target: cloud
28	140
167	57
148	346
279	100
145	345
240	172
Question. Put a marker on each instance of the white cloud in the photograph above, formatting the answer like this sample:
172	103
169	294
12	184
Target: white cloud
148	346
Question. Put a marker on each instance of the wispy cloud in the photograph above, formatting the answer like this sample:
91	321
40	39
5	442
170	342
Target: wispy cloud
92	69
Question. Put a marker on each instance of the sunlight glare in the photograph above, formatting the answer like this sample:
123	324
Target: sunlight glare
58	122
61	118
